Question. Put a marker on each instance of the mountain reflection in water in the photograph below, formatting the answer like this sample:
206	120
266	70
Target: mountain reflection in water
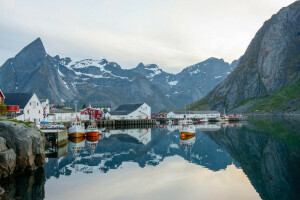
259	159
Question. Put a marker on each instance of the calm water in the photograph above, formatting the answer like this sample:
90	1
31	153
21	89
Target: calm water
256	160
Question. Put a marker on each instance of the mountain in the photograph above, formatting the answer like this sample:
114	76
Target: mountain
270	67
63	80
191	83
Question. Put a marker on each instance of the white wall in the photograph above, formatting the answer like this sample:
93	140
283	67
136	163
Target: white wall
65	117
171	115
33	111
143	112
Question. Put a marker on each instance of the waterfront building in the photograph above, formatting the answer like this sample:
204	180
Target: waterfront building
209	114
61	115
132	111
30	108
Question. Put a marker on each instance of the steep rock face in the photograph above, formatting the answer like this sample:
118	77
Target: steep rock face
27	143
33	70
271	61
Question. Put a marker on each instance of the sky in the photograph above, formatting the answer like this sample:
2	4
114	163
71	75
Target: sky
173	34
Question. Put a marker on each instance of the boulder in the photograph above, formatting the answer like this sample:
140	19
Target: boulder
24	141
7	162
3	146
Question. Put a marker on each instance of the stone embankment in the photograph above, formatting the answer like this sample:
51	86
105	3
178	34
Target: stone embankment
22	148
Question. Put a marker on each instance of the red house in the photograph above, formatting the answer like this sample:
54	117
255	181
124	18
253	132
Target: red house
10	108
94	113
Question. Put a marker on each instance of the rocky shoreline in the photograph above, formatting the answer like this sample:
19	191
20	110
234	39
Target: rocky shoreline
22	148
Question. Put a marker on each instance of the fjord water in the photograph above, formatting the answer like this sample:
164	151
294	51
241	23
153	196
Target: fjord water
259	159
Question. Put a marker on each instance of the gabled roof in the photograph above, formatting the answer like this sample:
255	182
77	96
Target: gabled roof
18	99
126	109
2	94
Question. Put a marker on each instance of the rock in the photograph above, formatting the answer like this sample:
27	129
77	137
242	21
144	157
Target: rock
8	160
25	143
2	191
270	62
3	146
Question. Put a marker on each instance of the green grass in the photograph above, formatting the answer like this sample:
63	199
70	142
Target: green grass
281	100
17	121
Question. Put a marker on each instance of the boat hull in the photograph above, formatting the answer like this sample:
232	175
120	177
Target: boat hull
92	133
76	134
76	131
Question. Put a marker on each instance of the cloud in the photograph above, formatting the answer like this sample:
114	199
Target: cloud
172	34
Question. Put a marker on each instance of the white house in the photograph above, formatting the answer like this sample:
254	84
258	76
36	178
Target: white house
60	115
132	111
171	115
194	114
30	106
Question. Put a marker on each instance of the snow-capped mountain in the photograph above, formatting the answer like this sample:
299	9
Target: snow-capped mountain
191	83
64	80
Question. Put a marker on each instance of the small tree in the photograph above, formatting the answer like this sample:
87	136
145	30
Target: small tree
84	106
3	109
105	110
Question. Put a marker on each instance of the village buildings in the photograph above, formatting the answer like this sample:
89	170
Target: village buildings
30	106
131	111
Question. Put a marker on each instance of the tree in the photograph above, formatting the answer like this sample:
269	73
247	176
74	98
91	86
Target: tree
84	106
3	109
105	110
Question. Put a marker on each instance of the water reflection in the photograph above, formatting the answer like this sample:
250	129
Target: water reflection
259	159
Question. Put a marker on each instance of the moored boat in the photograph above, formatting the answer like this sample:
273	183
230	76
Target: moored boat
76	130
92	130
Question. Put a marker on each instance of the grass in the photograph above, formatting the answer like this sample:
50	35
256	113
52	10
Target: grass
281	100
17	121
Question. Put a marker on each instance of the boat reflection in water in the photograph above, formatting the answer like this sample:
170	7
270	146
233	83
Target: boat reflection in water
187	141
76	144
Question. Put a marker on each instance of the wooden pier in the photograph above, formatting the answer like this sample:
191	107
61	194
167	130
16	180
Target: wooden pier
119	123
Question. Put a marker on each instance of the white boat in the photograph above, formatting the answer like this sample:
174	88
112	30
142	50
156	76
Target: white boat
76	129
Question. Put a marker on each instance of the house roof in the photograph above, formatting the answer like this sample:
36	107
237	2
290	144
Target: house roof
197	112
18	99
2	94
55	110
126	109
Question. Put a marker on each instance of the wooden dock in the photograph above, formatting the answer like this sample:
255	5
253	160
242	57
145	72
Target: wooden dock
119	123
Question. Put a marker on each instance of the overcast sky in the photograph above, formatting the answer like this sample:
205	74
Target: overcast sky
171	33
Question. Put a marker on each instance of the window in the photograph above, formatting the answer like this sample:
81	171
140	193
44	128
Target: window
37	104
34	104
39	112
30	103
27	111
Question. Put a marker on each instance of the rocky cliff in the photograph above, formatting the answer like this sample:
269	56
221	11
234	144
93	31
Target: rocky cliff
22	148
271	61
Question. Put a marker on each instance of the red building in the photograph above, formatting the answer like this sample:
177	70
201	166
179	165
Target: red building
94	113
162	115
12	109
